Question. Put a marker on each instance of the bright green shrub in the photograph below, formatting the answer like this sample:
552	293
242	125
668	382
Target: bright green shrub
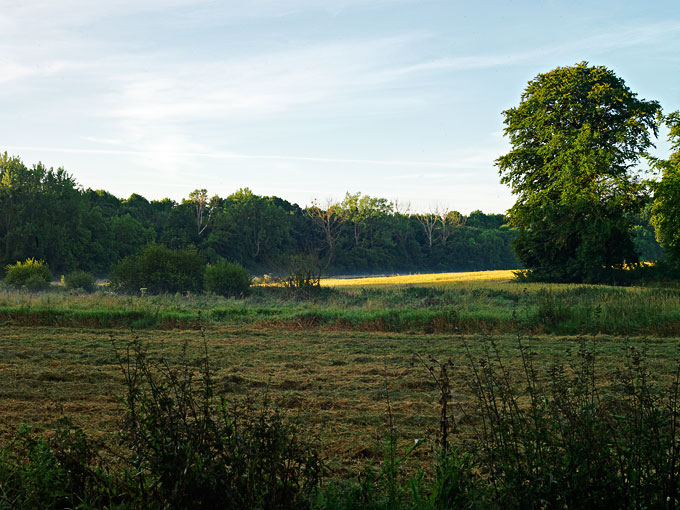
159	269
79	280
33	274
226	279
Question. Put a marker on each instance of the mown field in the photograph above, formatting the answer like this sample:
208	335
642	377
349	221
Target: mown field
335	361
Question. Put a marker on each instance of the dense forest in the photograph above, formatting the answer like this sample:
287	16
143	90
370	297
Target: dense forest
45	214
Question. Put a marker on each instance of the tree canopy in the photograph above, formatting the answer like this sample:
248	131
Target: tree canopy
45	214
666	209
577	136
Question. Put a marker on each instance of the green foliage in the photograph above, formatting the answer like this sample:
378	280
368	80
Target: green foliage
182	447
45	214
42	214
228	279
644	236
553	439
666	209
33	274
56	471
366	216
303	274
128	235
572	444
575	136
258	228
160	269
190	448
80	280
486	221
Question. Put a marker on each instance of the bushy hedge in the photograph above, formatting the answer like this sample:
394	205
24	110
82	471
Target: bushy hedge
226	279
159	269
80	280
32	274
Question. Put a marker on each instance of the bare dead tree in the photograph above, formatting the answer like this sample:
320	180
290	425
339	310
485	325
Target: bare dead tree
428	221
202	205
449	221
330	221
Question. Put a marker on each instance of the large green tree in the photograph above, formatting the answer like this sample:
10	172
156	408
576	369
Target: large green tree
666	208
577	136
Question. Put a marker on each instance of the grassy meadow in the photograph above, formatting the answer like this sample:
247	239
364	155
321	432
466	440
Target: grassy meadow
336	361
465	303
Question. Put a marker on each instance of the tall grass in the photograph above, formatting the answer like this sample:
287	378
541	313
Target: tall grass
558	437
460	308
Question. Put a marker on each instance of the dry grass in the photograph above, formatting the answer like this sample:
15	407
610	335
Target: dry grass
335	383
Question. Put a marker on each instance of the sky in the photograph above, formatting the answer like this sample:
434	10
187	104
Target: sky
305	99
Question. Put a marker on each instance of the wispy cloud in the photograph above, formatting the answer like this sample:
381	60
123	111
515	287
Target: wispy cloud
169	109
43	15
597	44
107	141
462	162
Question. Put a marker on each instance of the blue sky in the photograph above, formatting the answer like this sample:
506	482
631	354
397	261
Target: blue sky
304	99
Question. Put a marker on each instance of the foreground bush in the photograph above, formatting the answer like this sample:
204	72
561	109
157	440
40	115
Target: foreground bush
227	279
182	446
193	449
61	470
80	280
159	269
553	439
33	274
568	441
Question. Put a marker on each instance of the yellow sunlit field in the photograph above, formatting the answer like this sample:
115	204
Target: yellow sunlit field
421	279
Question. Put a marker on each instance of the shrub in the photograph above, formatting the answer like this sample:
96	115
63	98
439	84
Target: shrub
55	471
160	269
226	279
559	440
33	274
192	449
80	280
303	274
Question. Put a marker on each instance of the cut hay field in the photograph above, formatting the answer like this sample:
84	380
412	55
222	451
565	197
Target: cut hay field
335	361
337	384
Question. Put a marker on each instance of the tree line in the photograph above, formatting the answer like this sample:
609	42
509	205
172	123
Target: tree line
45	214
584	211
